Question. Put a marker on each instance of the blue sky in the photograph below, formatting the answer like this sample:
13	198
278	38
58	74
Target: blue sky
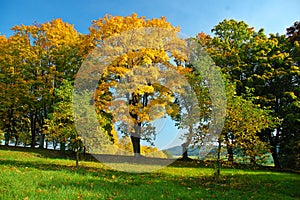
193	16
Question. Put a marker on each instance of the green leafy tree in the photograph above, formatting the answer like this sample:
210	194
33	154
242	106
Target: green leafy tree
244	121
253	60
195	111
289	145
59	128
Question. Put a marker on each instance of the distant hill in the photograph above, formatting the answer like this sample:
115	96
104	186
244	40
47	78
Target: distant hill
177	151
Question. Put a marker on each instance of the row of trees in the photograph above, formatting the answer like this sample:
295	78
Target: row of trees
35	61
39	64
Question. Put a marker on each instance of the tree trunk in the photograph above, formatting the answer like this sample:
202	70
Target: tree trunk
84	152
9	127
229	149
185	145
62	146
136	143
218	160
17	140
54	144
6	135
230	153
274	142
33	128
41	124
42	141
275	157
185	155
136	140
77	158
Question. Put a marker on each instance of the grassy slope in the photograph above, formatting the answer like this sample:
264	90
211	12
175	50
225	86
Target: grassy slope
37	175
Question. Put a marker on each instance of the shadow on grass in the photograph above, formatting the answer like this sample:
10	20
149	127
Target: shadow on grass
122	185
53	166
57	154
106	158
45	153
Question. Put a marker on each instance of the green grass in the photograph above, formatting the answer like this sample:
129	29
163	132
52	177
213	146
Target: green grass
37	174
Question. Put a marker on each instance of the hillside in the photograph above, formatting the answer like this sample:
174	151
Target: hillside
192	151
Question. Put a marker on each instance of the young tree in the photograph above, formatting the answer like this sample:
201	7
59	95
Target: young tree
244	121
195	111
59	127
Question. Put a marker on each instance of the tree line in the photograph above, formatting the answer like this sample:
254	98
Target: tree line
39	63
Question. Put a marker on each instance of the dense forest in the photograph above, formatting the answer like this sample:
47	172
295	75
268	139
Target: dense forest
39	63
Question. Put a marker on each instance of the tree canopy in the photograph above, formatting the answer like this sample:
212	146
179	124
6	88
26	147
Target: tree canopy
124	83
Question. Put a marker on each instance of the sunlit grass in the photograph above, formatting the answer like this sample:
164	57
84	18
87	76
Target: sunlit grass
37	175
